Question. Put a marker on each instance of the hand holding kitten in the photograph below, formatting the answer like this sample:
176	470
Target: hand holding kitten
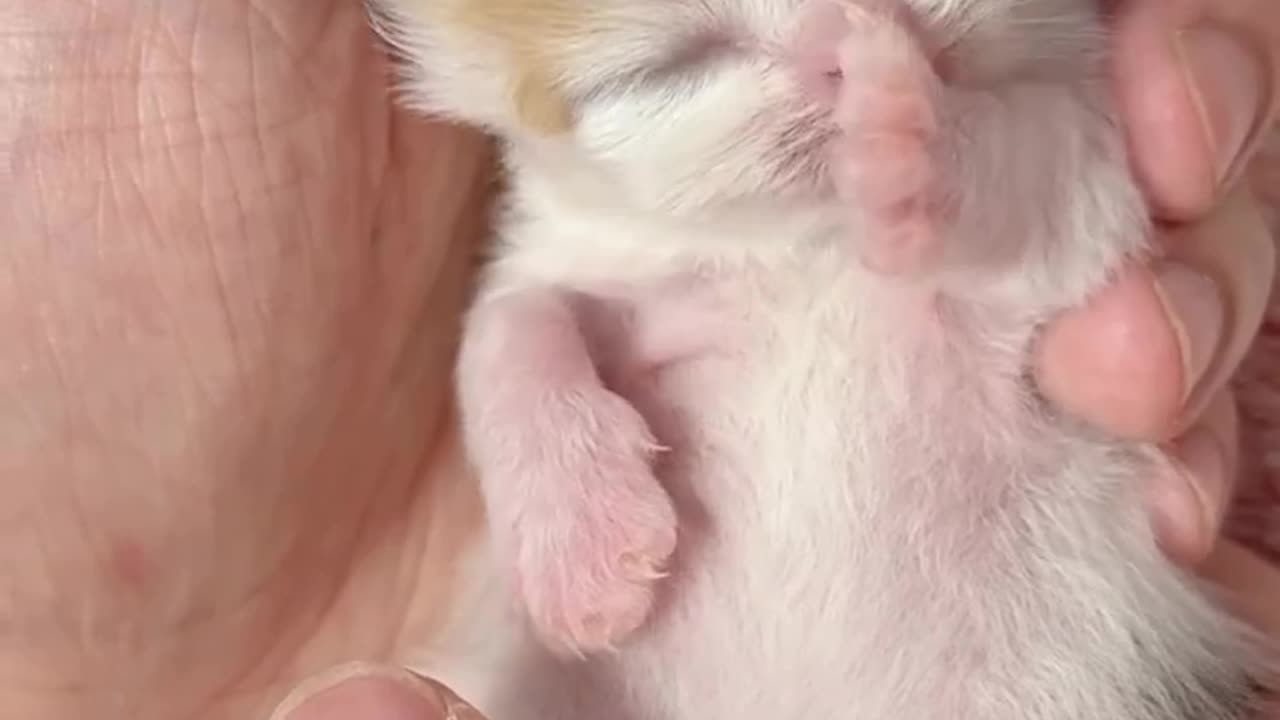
1161	374
1198	111
1154	378
243	110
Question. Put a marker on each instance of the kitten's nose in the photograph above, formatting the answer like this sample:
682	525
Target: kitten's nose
825	28
822	29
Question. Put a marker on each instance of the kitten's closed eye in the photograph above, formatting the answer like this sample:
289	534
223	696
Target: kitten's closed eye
672	71
699	50
690	56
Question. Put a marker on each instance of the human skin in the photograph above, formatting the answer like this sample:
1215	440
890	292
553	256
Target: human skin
229	292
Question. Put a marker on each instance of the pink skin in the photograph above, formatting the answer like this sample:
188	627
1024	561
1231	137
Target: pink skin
579	510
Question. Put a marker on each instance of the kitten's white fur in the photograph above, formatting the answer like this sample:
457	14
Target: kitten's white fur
878	519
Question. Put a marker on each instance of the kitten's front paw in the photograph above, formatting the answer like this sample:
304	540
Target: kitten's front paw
587	555
884	164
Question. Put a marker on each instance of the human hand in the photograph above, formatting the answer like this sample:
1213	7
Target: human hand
373	692
1151	357
229	286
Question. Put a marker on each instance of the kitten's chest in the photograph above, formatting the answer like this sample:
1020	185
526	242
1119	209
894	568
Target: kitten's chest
815	364
826	414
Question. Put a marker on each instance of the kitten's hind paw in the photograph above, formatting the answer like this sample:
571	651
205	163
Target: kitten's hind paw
884	164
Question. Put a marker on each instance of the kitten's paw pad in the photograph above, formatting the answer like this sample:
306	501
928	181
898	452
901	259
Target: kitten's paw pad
884	164
587	562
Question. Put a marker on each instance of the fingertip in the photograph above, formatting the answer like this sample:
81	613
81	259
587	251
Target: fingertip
1116	363
1196	86
1190	501
1233	248
362	691
1170	151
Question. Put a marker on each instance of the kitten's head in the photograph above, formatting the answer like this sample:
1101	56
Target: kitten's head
679	105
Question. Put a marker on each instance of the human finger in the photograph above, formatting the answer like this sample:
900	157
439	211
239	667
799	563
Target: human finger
364	691
1191	500
1146	355
1196	85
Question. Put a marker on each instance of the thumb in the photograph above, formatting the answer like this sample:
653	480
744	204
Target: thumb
365	691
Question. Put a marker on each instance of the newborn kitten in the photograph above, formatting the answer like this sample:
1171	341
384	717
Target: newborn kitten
733	473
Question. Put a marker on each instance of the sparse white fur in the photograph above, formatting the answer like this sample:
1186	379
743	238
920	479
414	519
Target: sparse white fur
878	519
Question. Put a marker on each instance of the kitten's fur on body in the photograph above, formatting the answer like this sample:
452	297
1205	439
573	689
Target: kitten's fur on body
731	473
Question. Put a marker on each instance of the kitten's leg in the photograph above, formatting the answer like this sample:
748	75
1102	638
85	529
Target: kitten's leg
884	167
565	469
944	176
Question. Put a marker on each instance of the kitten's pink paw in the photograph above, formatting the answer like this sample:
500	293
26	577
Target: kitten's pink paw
884	163
587	556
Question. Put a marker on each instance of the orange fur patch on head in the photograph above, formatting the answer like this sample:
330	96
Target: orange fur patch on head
540	34
540	106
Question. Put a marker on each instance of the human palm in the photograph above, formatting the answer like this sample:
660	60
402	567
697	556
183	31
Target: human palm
232	310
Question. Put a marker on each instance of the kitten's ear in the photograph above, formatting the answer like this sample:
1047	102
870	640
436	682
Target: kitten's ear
448	66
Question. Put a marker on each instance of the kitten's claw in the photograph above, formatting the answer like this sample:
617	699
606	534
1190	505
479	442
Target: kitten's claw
586	563
884	163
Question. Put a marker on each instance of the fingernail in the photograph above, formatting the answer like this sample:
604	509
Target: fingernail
1205	463
366	692
1226	84
1185	513
1195	310
1179	520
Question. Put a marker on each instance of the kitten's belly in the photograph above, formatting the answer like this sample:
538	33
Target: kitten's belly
868	522
852	506
845	522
